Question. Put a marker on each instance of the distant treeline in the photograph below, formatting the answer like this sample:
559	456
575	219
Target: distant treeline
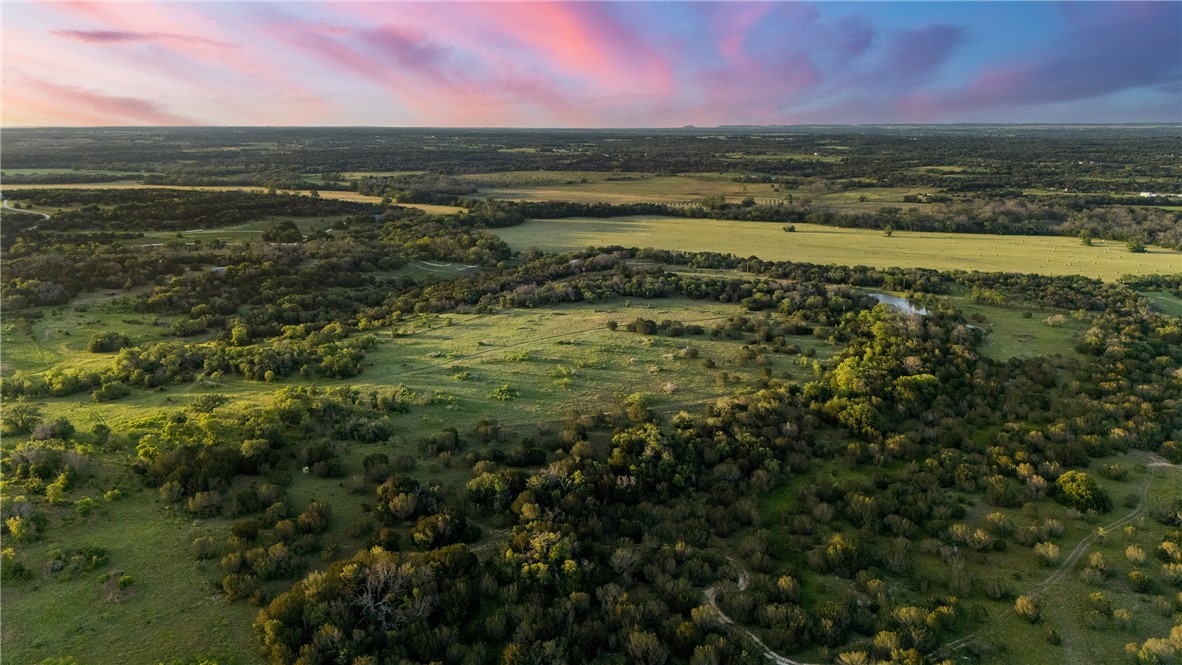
1097	161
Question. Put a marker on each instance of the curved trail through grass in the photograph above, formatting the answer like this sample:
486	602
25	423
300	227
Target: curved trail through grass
1072	558
32	212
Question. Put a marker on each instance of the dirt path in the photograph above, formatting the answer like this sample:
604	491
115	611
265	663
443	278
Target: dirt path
711	594
1064	568
32	212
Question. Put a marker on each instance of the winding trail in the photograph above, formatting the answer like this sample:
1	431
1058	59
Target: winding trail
32	212
1061	571
711	594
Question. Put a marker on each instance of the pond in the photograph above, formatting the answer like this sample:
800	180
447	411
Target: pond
899	303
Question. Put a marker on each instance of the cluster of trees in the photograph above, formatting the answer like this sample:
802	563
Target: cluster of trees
174	209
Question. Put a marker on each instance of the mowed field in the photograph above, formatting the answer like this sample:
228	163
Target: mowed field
324	194
1051	255
684	189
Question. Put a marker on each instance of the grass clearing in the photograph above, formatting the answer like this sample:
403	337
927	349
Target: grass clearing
1012	335
1051	255
1164	302
59	614
580	187
565	358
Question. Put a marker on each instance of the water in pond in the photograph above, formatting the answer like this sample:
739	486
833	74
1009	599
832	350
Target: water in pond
899	303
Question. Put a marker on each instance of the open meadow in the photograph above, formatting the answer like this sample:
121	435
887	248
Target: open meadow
1048	255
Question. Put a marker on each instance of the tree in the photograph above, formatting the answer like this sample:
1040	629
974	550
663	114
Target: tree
20	418
888	231
1135	246
1080	491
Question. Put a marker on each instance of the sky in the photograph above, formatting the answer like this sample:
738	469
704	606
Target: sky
588	64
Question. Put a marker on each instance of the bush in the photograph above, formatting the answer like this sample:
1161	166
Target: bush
107	342
1080	491
1027	607
109	392
58	429
505	393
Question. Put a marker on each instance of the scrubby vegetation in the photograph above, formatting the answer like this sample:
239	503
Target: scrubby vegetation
390	438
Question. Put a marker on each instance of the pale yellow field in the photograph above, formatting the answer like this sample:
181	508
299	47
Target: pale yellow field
325	194
1051	255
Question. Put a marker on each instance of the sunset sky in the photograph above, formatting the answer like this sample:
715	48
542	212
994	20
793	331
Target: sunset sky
589	64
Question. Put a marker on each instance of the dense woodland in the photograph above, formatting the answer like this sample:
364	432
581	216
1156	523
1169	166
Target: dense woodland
614	536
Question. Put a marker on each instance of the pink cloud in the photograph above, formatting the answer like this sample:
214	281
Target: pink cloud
114	110
126	36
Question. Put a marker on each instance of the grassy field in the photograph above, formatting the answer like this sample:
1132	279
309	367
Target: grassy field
1011	335
557	358
1164	302
326	194
1052	255
72	615
596	187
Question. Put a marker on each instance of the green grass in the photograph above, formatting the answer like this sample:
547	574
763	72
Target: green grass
1052	255
171	614
565	358
1011	335
241	232
1164	302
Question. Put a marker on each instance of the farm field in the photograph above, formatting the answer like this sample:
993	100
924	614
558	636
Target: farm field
685	189
1048	255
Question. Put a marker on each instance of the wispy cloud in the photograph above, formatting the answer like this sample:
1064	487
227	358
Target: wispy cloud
129	36
114	110
588	63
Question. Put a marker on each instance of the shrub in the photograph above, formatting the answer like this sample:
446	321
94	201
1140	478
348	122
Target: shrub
107	342
1027	607
1080	491
505	393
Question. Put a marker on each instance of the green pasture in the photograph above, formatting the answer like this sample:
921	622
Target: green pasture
241	232
74	614
1164	302
1051	255
565	358
1009	334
